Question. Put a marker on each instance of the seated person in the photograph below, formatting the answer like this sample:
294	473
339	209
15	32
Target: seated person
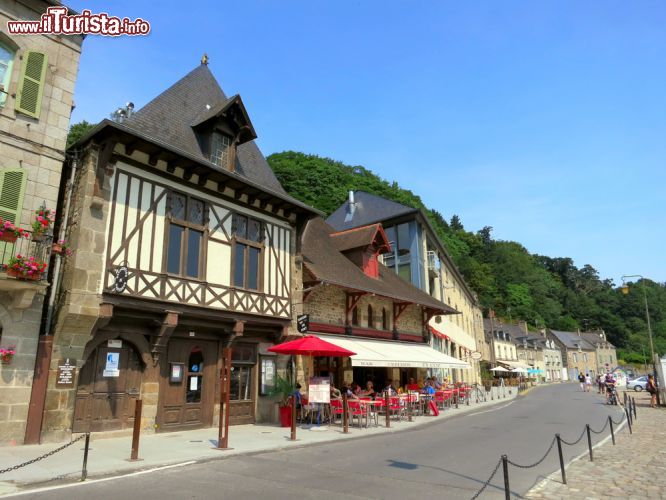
349	390
298	397
335	392
428	388
369	389
389	388
435	383
413	386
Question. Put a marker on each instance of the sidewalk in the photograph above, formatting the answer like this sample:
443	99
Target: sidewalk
109	456
633	469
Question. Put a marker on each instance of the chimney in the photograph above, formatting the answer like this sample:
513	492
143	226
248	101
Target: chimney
351	207
523	326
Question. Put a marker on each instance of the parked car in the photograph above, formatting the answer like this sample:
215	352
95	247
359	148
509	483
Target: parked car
637	384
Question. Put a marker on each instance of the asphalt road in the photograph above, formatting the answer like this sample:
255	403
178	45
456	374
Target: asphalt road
450	458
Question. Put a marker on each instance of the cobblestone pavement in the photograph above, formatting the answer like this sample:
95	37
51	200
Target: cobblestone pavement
633	469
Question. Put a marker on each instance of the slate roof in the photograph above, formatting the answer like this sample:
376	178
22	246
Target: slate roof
594	338
325	262
355	238
571	340
169	118
368	209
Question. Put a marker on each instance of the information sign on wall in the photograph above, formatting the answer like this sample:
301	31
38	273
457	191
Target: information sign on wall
66	372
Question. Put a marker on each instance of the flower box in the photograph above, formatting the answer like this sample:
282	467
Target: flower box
19	275
56	248
8	237
6	354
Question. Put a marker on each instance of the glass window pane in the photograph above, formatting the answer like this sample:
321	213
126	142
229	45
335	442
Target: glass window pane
405	272
174	248
254	231
404	241
219	149
242	352
390	234
253	271
234	389
245	382
193	250
240	226
178	207
196	212
239	265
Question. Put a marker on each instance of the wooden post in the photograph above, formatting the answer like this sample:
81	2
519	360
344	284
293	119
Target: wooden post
293	418
345	413
387	402
137	430
225	387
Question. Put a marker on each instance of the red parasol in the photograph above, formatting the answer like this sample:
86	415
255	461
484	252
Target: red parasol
311	346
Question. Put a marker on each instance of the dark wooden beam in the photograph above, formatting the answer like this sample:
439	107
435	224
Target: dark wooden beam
171	167
203	178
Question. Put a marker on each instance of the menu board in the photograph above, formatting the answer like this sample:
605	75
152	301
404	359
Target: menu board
319	390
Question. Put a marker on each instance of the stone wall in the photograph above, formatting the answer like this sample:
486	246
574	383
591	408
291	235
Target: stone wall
80	298
20	328
37	146
326	304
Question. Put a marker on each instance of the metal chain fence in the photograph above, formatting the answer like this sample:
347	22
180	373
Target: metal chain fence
488	481
550	448
602	429
577	440
45	455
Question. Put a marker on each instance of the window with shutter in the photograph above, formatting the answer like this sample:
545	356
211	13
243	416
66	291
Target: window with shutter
31	83
6	60
12	187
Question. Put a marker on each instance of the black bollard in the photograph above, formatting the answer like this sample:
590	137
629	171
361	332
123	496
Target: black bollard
589	441
626	412
84	468
610	422
633	404
559	451
505	466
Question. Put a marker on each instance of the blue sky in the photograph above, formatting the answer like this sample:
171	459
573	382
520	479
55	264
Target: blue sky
545	120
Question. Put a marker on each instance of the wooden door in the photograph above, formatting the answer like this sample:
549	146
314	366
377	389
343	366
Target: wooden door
188	402
109	385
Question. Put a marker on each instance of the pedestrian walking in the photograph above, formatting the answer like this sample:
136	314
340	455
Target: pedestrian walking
581	379
651	387
588	382
600	383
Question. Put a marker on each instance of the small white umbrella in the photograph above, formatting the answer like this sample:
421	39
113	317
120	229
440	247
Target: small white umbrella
499	369
520	369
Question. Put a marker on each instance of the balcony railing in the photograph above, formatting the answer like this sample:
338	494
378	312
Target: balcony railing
27	247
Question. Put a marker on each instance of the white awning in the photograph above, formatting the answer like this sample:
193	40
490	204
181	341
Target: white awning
449	329
393	354
514	364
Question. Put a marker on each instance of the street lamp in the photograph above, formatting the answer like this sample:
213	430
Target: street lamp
625	291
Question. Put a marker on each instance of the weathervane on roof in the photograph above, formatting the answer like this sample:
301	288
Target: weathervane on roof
204	59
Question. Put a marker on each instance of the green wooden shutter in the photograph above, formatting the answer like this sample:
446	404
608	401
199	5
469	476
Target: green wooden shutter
31	83
12	188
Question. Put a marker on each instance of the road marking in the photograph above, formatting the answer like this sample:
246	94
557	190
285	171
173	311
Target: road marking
492	409
101	480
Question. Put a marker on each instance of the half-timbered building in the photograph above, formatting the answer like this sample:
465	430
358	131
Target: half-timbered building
185	246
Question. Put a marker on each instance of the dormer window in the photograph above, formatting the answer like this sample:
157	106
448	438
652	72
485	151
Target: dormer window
219	149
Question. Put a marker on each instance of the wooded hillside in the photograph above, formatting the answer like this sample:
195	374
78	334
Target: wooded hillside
544	291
